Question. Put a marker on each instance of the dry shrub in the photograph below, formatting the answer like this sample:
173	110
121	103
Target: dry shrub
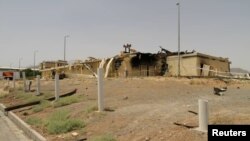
59	122
106	137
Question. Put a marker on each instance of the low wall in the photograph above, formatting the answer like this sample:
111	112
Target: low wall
31	133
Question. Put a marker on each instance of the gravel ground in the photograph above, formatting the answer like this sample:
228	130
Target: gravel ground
143	109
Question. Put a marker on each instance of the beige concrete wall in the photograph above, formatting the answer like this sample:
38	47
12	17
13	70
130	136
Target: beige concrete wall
46	65
215	65
187	66
191	66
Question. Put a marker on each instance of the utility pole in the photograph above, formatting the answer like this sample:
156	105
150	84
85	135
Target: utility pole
20	64
34	62
64	56
178	5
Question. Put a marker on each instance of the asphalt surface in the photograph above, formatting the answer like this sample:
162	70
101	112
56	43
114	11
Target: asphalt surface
9	131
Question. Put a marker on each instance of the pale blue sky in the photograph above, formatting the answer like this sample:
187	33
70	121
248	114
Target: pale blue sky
99	28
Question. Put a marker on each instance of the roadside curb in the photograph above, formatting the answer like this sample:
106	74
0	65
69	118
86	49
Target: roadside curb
31	133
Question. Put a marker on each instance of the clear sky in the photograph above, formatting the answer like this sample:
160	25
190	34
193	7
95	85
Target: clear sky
99	28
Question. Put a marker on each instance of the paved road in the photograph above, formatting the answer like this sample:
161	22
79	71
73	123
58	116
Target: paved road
9	131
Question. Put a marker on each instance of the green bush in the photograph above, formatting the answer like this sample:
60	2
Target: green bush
30	73
59	122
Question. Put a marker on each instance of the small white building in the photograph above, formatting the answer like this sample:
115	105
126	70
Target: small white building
16	72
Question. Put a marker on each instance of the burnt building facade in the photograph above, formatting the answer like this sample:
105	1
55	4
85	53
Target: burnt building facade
130	63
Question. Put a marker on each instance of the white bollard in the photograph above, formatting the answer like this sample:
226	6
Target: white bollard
57	89
100	89
24	82
203	115
38	85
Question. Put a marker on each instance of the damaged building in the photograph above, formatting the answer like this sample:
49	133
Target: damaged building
138	64
130	63
198	64
52	64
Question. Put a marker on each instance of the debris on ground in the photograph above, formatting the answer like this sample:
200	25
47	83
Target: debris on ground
219	91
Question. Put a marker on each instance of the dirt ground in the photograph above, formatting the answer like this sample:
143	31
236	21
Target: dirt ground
145	109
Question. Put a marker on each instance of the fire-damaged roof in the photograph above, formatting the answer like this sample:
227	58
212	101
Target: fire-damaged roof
186	54
197	54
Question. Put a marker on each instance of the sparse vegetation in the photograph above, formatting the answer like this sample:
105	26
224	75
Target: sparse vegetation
135	101
59	122
35	121
44	104
21	95
66	101
106	137
26	97
37	108
3	94
91	109
47	95
19	88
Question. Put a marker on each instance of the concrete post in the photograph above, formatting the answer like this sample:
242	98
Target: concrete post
8	82
14	82
57	89
29	83
126	73
107	67
38	85
203	115
24	82
100	89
